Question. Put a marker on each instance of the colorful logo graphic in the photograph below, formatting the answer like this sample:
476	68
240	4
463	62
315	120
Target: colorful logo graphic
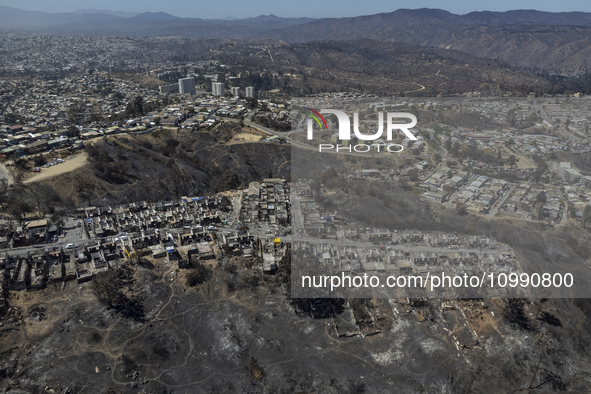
315	115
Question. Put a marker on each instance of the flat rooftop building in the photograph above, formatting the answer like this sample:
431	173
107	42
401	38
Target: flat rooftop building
187	85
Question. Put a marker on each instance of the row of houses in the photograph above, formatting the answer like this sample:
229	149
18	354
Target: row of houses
34	270
25	142
186	212
266	201
525	197
309	216
29	233
385	237
348	258
479	194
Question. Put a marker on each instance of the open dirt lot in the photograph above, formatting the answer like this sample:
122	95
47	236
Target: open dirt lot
242	138
70	165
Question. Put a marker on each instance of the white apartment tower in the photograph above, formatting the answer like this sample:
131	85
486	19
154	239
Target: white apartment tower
250	92
217	88
187	85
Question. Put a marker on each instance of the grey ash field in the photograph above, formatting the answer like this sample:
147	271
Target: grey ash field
239	331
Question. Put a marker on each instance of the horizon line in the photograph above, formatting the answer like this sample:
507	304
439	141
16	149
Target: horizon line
90	11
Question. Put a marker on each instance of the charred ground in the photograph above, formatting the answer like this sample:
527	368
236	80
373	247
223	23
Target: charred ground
239	332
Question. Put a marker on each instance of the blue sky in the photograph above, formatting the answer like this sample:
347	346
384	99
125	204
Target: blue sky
327	8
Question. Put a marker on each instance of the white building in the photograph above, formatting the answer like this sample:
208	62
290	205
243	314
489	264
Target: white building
187	85
235	91
250	92
571	175
217	88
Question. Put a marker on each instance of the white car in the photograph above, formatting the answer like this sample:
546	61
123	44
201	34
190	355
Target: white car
70	246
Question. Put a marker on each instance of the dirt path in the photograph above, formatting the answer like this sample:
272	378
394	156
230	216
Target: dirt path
70	165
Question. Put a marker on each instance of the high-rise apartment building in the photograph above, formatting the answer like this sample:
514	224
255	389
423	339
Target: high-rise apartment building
250	92
187	85
217	88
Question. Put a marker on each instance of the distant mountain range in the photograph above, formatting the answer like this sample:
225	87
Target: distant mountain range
555	42
149	24
541	41
121	14
385	68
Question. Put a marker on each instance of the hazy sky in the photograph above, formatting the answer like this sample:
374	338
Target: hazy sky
309	8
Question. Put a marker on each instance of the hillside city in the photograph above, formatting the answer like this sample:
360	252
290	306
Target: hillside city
74	108
492	172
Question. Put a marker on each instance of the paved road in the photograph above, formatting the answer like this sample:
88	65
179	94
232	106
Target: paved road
296	213
501	201
561	129
72	234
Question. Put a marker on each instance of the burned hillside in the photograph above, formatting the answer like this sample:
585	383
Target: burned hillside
168	164
238	332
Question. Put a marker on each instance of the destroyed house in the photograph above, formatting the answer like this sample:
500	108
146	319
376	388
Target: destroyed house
37	230
205	251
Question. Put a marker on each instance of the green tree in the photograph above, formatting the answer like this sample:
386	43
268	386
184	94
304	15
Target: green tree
73	132
252	102
512	161
135	108
138	105
413	175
